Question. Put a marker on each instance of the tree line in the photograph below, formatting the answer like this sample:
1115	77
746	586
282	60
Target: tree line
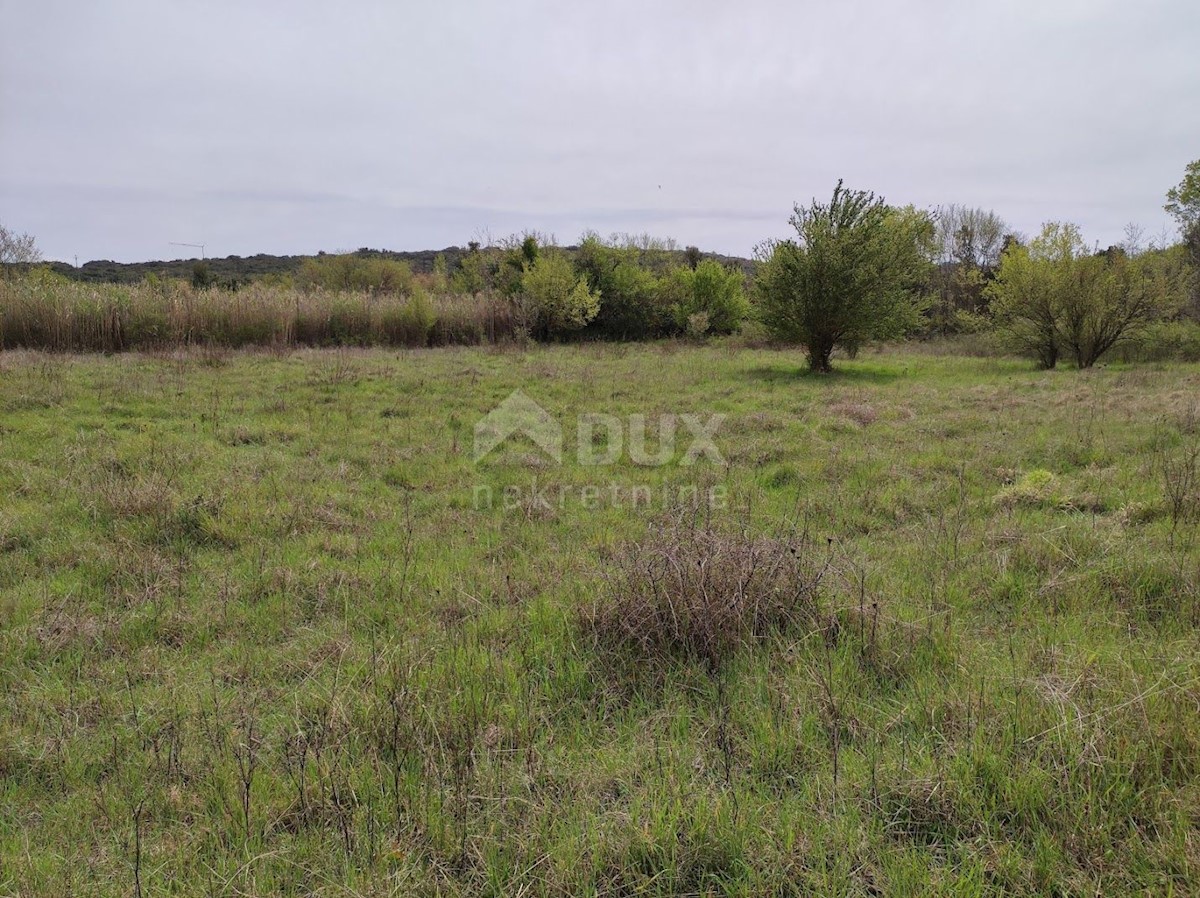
859	269
856	270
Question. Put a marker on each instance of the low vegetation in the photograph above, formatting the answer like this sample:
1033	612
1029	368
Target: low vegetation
259	636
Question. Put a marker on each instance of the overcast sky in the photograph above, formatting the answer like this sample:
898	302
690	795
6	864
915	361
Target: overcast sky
291	127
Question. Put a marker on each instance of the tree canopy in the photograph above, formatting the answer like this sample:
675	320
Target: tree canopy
848	277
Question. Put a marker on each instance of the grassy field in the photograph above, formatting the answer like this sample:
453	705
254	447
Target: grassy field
261	632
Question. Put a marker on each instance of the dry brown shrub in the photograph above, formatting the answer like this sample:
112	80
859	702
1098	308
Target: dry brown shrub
696	591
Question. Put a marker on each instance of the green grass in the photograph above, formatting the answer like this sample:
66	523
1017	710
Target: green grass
256	637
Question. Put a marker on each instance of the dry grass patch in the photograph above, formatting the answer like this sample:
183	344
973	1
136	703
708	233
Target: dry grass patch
861	413
692	590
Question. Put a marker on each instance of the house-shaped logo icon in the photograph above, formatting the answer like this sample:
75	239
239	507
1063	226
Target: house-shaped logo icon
518	414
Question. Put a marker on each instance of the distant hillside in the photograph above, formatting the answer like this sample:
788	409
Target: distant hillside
233	268
241	269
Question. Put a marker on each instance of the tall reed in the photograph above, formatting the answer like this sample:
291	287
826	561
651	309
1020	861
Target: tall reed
51	314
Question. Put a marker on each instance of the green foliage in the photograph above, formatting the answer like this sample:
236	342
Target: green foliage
529	249
709	289
850	276
43	277
202	276
633	306
1183	200
355	271
509	268
1025	296
1054	297
508	276
554	300
280	279
1102	301
473	274
1162	341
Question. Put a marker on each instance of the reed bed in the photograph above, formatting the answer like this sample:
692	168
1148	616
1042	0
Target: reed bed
52	315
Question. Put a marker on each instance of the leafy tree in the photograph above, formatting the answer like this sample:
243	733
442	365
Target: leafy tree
1183	201
554	299
710	289
849	277
1055	297
529	249
1106	300
1026	294
515	256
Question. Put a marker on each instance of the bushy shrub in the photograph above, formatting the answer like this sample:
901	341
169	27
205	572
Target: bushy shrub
710	289
473	274
1054	297
352	272
699	592
554	300
633	305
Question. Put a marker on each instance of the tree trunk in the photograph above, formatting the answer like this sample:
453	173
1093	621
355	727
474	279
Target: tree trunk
1048	357
818	357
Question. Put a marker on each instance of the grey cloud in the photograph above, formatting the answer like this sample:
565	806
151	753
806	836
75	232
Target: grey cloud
291	127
